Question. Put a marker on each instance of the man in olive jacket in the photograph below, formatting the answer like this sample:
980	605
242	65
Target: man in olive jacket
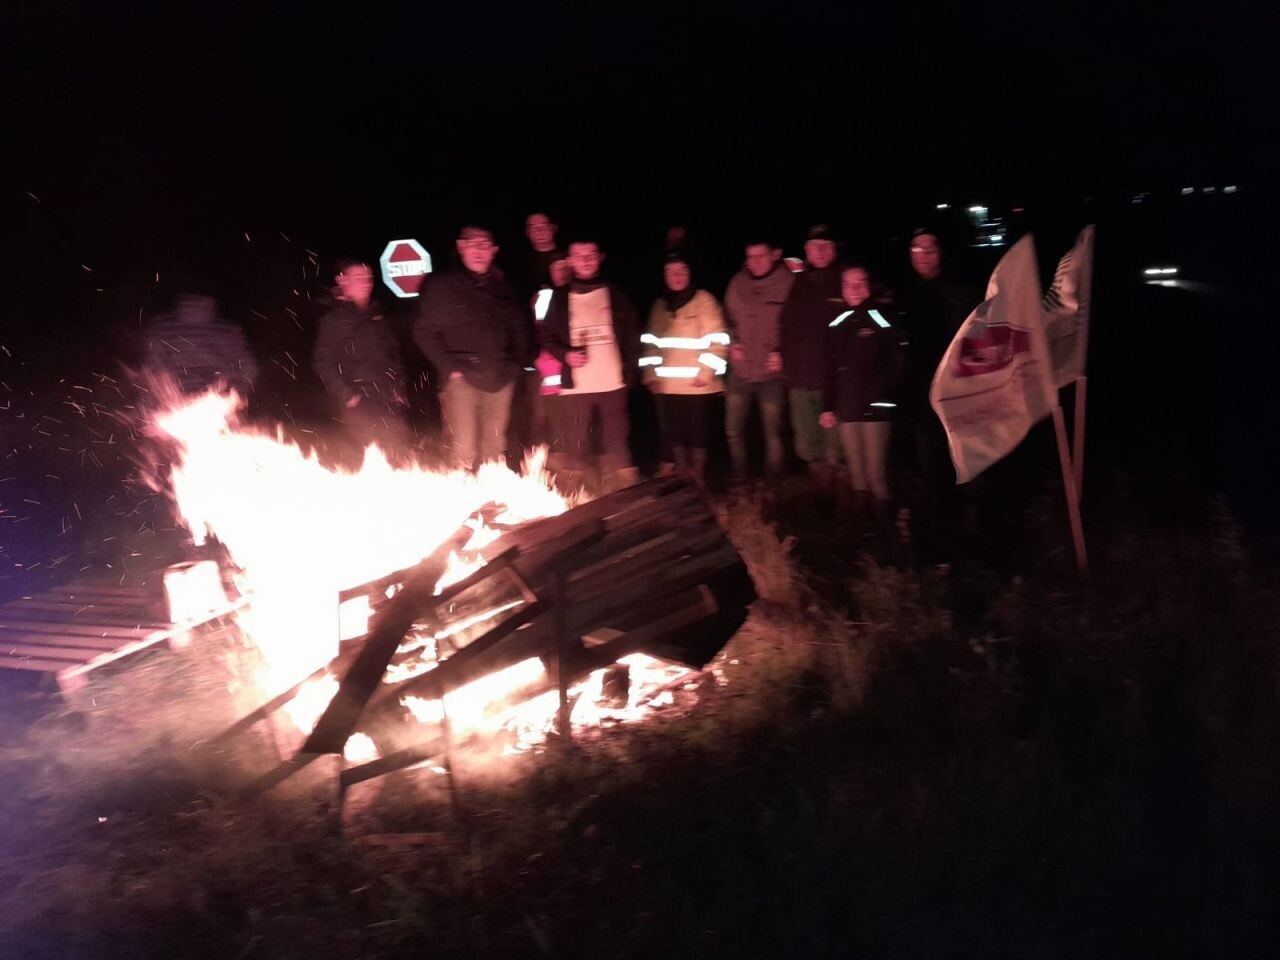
753	303
477	335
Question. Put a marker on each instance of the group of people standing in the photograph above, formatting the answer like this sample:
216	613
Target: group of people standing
563	347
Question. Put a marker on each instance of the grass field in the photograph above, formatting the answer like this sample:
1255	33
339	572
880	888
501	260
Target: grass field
1055	770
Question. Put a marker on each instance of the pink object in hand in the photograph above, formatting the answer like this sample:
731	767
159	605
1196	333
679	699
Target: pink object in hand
549	369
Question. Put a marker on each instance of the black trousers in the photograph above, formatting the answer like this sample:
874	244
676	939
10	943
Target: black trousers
685	420
574	415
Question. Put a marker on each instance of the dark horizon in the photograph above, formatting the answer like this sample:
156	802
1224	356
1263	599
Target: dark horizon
154	142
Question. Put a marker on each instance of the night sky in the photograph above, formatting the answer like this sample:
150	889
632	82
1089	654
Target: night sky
155	141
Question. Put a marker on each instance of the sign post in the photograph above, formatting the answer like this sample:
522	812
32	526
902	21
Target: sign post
405	264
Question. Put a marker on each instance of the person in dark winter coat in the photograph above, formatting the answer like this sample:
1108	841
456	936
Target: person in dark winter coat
592	329
540	230
478	336
546	267
864	366
753	304
358	361
199	349
813	300
933	304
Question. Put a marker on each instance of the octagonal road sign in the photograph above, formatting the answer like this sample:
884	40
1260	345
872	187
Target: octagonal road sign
405	264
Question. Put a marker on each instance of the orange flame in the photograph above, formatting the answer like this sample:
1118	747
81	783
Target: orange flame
301	532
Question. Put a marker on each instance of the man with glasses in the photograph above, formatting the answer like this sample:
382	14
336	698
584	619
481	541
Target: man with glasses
478	337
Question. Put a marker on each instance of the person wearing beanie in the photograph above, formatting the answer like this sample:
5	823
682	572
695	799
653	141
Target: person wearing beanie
684	365
809	308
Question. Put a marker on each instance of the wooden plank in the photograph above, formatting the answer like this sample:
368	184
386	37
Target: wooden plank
83	628
386	633
111	656
76	608
688	607
64	654
140	611
86	614
35	665
388	693
140	597
59	640
97	595
272	705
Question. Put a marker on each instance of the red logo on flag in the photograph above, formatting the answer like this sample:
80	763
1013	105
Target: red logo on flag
992	350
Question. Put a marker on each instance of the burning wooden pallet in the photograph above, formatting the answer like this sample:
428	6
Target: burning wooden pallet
67	632
647	569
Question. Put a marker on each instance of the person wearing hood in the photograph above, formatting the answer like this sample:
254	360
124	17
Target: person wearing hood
358	361
864	367
753	303
813	300
684	366
591	328
198	348
478	336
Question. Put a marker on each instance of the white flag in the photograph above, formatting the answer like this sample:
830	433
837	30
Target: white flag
1066	310
996	381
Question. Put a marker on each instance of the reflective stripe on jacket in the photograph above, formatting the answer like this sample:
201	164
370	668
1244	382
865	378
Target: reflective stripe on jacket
686	346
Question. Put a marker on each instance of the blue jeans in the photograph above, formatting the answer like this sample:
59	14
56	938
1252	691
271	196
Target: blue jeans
769	394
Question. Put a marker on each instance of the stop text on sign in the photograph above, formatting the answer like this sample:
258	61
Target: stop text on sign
405	263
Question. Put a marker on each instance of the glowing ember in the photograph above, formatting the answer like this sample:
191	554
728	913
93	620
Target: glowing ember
483	705
360	749
305	708
193	590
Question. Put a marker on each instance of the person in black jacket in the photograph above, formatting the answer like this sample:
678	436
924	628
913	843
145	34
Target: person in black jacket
357	359
814	299
477	335
864	365
933	304
541	230
198	348
592	329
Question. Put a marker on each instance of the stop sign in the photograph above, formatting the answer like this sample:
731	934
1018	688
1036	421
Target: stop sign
405	264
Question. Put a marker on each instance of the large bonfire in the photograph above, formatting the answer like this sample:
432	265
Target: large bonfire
299	532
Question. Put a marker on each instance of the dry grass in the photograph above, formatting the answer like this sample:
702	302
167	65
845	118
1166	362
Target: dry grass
1079	773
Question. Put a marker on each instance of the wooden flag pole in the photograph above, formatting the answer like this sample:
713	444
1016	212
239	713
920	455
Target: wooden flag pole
1077	454
1073	496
